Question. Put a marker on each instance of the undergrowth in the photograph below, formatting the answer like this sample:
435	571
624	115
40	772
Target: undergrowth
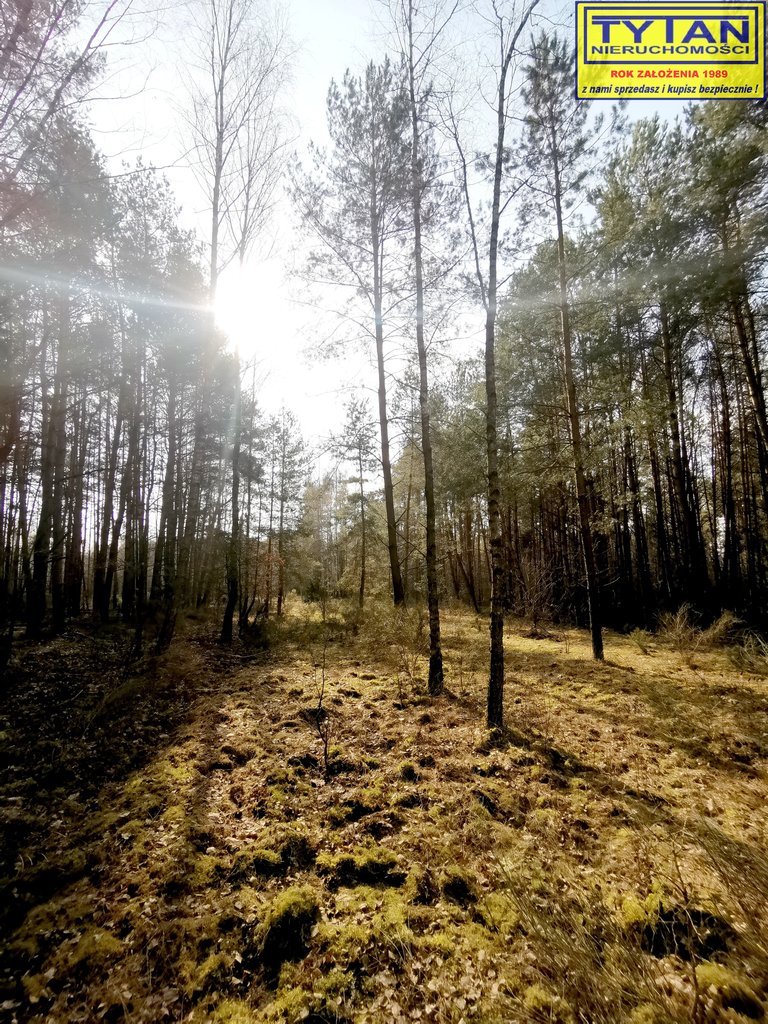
600	860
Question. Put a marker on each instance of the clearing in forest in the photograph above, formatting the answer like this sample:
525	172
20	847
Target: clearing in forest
302	834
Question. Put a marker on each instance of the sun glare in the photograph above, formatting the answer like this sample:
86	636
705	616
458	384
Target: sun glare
270	332
241	312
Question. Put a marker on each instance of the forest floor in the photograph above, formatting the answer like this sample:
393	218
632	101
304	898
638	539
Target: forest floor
175	846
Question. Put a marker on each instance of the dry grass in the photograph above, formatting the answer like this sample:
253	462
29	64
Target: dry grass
601	862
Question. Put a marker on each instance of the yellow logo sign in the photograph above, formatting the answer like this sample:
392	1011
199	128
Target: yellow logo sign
683	51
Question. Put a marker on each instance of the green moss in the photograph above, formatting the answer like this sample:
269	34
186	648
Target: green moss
295	848
131	829
546	1006
35	987
25	948
144	800
135	787
54	874
637	913
95	947
498	914
322	1004
256	862
277	796
174	775
337	816
58	913
286	928
734	992
290	1006
282	777
232	1011
364	801
647	1013
334	985
442	943
456	886
542	819
176	814
374	796
385	934
193	935
362	865
203	870
210	975
166	775
422	888
346	943
407	771
392	914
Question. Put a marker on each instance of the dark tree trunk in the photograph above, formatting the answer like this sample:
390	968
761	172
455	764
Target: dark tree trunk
233	547
585	525
435	681
398	593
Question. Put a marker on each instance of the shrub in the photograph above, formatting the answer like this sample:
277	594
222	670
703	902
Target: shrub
641	638
751	655
678	630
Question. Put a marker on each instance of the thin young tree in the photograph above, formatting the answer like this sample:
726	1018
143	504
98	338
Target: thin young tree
355	445
418	29
508	29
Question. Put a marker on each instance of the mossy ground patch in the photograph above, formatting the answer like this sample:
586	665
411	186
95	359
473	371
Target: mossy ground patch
441	872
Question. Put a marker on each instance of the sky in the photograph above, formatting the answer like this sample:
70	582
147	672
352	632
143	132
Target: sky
267	312
138	111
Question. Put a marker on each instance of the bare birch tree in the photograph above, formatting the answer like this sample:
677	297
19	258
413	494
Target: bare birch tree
238	128
239	135
418	28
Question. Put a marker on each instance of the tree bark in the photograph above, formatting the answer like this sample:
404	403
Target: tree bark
398	593
435	679
233	547
585	525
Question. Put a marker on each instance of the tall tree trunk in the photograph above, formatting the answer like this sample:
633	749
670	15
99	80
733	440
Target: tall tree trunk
100	591
59	431
638	526
233	547
398	593
488	290
693	554
73	562
41	545
170	515
495	705
281	525
363	538
585	525
435	680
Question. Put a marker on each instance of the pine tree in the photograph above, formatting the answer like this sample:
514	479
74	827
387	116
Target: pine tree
355	201
555	144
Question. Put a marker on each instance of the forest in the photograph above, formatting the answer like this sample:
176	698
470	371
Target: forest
453	706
